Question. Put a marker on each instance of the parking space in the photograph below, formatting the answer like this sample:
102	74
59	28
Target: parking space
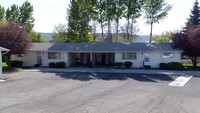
44	92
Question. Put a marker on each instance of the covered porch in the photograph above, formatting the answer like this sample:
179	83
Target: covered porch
91	59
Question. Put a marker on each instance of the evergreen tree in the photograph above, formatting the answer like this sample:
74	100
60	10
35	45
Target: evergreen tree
194	18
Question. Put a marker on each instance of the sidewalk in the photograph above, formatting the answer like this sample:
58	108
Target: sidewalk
111	70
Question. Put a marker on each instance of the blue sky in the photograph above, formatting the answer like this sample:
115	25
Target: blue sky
48	13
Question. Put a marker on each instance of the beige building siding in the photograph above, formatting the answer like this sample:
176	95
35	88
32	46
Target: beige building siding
46	61
29	59
155	58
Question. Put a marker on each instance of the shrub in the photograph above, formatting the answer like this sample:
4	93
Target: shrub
128	64
37	65
175	66
16	63
59	65
163	66
51	64
118	64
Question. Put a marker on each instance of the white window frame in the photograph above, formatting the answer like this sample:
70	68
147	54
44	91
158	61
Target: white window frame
167	54
57	55
125	56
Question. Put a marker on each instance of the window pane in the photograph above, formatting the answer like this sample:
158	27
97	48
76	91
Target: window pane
167	55
129	56
54	55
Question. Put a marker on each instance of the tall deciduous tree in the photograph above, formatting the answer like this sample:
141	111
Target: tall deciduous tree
155	10
74	18
14	37
2	13
79	16
26	16
101	18
109	13
189	42
164	37
60	33
12	13
133	11
118	13
194	18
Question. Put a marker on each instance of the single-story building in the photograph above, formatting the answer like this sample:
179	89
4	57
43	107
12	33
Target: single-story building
2	51
100	54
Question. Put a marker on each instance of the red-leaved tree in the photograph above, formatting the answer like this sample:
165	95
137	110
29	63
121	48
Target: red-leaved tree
189	42
13	36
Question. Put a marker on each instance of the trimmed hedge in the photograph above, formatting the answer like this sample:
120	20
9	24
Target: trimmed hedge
51	64
16	63
128	64
163	66
118	64
59	65
175	66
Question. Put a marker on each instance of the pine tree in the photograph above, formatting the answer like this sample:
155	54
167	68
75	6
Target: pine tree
194	18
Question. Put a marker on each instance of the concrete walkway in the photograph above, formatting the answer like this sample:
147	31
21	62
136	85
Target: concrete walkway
111	70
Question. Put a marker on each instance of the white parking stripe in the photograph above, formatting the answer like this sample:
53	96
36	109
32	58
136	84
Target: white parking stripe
180	81
1	80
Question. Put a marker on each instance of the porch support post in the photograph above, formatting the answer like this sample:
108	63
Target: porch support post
90	57
91	60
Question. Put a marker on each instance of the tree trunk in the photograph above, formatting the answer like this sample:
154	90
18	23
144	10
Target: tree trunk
8	55
194	61
117	21
108	37
94	40
127	29
151	31
131	31
102	30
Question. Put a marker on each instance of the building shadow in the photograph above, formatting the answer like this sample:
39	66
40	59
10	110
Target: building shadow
87	76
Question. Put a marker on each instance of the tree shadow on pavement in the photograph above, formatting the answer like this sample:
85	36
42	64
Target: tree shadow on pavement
116	76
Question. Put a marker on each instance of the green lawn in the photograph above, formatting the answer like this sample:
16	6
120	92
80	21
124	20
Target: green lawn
5	67
189	66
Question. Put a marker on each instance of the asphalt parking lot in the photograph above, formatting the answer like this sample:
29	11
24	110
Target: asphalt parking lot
38	92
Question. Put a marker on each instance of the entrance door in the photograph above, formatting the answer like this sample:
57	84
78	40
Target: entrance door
39	58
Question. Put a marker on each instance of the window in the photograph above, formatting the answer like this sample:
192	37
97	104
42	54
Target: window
20	55
129	56
54	55
167	55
